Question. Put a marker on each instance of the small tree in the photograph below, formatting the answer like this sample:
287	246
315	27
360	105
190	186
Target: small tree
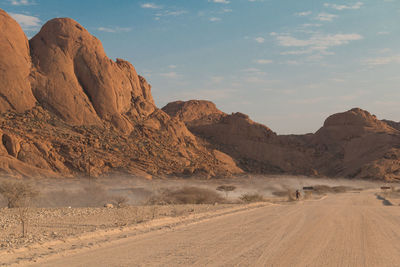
226	189
17	194
120	201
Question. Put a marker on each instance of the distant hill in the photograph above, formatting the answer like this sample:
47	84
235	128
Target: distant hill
352	144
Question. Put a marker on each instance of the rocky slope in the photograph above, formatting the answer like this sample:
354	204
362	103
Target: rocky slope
67	109
350	144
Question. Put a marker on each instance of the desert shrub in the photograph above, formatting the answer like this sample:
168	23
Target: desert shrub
249	198
322	189
280	193
93	195
187	195
17	194
120	201
226	189
291	195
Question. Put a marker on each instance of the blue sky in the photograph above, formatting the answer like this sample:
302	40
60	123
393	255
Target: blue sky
287	63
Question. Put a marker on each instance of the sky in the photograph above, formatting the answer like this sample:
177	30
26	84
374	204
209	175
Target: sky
288	64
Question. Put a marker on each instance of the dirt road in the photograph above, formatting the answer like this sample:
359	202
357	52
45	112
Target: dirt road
351	229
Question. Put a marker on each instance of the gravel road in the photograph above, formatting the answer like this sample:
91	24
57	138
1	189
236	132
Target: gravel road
350	229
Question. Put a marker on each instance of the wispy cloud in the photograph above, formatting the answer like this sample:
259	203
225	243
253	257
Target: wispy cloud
226	10
357	5
220	1
307	101
325	17
383	33
259	40
172	75
28	23
383	60
150	5
22	2
170	13
263	61
304	13
114	29
214	19
315	43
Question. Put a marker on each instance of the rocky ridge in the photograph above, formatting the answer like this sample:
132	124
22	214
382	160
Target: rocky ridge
351	144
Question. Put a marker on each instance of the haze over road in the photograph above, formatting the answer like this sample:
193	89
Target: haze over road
351	229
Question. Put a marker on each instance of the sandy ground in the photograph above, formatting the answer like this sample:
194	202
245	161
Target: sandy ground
349	229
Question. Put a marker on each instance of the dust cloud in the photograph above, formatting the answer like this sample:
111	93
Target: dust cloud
95	192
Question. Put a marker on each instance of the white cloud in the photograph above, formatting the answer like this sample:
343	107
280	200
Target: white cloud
217	79
22	2
170	13
315	43
259	40
292	62
114	29
263	61
172	75
226	10
307	101
383	60
214	19
306	25
220	1
325	17
150	5
303	14
383	33
357	5
27	23
251	70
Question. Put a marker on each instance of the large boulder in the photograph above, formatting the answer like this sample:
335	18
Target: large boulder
15	66
80	83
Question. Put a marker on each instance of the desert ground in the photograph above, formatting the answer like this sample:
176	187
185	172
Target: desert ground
342	223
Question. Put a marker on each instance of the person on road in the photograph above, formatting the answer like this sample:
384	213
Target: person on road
297	194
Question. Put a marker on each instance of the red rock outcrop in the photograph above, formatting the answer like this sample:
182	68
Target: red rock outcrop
350	144
67	109
254	146
15	67
76	79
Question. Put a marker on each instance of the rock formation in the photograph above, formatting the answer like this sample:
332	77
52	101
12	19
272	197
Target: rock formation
15	65
67	109
350	144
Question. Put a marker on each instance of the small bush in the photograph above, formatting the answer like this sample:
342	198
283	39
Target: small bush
249	198
120	201
17	194
322	189
226	189
187	195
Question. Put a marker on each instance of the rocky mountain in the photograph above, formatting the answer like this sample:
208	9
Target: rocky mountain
350	144
67	109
